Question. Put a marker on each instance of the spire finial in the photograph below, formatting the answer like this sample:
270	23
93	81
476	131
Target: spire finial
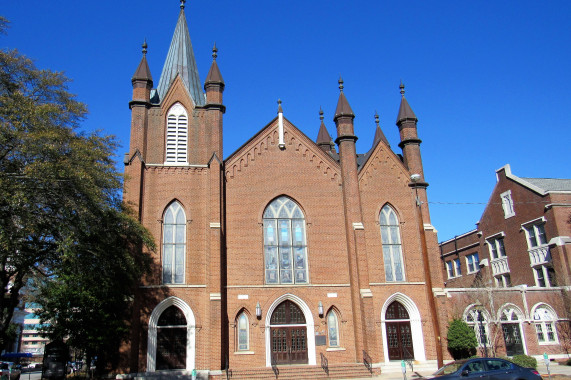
214	52
280	106
145	47
340	81
401	88
376	118
182	4
320	114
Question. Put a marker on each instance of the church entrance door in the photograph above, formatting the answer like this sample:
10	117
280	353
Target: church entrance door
399	335
288	331
171	340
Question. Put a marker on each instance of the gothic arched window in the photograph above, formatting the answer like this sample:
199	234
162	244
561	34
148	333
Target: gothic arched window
174	244
333	328
285	248
177	135
545	325
243	332
392	249
478	320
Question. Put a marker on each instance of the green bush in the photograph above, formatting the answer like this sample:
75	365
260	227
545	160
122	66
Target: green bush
462	340
568	362
524	361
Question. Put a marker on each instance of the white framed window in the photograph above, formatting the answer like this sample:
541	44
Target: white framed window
503	280
478	320
333	328
450	269
496	247
535	235
544	276
392	248
243	332
174	244
177	135
507	204
285	247
457	268
453	268
472	262
544	321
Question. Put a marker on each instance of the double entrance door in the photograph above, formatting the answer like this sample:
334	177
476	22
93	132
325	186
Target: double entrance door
288	335
399	334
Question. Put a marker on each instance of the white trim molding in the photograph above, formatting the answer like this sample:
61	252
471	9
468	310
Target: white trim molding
190	332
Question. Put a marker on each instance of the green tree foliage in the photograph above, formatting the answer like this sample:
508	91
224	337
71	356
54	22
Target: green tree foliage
462	340
62	222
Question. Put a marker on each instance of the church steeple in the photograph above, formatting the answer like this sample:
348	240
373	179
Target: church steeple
142	80
379	135
180	61
323	137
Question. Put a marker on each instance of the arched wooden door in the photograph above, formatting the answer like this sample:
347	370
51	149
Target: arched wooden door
288	331
399	335
171	340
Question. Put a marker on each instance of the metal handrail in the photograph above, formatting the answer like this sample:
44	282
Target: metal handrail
325	364
367	361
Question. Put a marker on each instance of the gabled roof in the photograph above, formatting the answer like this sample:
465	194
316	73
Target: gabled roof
550	184
180	61
541	186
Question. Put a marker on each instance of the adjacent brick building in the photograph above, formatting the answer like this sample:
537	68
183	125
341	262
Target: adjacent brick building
287	251
510	277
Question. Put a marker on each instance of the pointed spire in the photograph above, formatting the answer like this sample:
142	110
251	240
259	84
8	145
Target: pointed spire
143	73
180	61
214	75
343	107
280	110
405	112
323	137
379	135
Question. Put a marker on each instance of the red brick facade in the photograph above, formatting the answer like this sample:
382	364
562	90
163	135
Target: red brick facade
341	198
538	270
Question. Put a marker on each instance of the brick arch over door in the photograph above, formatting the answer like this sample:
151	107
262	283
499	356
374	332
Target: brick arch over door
415	325
308	320
190	332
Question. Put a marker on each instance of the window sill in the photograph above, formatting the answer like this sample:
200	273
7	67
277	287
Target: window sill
554	343
335	349
244	352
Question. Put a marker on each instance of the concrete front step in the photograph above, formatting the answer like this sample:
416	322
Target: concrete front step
303	372
425	367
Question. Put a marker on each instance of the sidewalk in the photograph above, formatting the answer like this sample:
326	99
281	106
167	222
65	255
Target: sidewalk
557	372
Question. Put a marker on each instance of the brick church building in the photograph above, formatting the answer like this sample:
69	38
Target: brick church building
286	251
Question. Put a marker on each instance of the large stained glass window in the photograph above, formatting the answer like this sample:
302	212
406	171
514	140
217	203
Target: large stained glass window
285	248
174	244
392	249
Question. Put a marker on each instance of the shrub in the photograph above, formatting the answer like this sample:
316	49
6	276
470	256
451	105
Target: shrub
524	361
568	362
462	340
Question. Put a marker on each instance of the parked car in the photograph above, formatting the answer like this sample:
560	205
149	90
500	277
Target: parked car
10	370
485	369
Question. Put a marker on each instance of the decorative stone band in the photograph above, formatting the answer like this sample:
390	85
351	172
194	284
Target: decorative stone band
215	296
214	224
358	226
366	293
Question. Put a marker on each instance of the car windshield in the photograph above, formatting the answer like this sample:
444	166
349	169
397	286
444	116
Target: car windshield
449	368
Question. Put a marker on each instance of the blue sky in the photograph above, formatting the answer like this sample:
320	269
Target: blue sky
489	81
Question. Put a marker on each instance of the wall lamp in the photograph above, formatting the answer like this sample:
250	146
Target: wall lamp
258	311
320	309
